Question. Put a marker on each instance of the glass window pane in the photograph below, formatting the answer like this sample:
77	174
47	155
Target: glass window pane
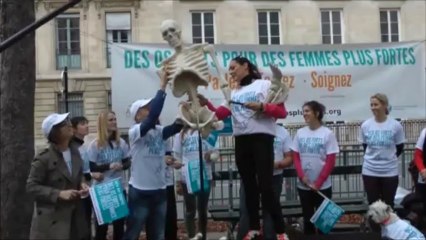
385	38
336	16
263	30
196	40
208	31
326	39
275	30
395	38
196	18
262	17
337	28
275	40
62	48
384	28
383	16
114	36
74	22
75	35
75	47
325	29
208	18
394	28
62	34
325	17
263	40
61	22
394	16
196	31
337	39
209	40
273	17
124	36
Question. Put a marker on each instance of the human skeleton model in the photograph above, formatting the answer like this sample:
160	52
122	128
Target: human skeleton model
187	69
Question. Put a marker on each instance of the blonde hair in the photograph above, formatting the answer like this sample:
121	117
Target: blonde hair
103	136
383	99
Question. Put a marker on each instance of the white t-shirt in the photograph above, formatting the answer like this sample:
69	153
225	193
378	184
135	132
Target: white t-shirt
108	155
419	145
170	180
313	147
380	158
67	158
244	120
186	149
148	170
83	149
401	230
282	144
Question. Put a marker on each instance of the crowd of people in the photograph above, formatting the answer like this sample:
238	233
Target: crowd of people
156	155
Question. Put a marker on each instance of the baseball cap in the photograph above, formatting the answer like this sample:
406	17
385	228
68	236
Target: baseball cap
138	104
52	120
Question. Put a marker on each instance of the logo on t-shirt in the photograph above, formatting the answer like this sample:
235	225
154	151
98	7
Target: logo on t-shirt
311	145
190	144
379	138
241	113
154	144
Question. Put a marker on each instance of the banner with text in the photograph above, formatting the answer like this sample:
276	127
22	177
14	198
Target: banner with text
342	77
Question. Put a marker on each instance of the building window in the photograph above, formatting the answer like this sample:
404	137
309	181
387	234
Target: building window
331	26
118	30
203	27
389	25
68	41
269	27
75	104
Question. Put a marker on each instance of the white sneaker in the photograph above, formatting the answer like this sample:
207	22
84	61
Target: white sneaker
197	236
223	238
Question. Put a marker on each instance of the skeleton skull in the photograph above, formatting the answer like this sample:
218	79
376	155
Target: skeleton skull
171	32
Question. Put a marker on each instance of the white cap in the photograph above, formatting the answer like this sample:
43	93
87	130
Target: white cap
138	104
50	121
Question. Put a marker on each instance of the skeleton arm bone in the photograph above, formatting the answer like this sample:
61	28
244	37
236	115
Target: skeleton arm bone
224	86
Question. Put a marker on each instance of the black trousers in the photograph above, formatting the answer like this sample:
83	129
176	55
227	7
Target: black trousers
87	203
383	188
254	156
171	217
101	230
310	201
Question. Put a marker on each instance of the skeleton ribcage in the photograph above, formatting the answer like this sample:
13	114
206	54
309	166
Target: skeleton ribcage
190	59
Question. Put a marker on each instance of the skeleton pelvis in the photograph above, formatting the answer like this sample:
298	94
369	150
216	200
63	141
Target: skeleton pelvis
189	116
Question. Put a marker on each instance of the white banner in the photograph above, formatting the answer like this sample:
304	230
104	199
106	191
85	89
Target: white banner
342	77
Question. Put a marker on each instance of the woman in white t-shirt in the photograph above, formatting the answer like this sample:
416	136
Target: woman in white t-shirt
420	161
253	123
109	155
314	156
383	140
282	159
185	149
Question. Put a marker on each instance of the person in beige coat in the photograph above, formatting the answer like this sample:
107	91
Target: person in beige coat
56	183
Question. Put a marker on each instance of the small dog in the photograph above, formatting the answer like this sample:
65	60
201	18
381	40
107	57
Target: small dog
392	226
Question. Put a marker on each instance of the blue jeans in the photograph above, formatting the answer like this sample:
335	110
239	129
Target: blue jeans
144	204
268	225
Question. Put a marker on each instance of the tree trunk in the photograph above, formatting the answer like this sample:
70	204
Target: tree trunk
17	87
